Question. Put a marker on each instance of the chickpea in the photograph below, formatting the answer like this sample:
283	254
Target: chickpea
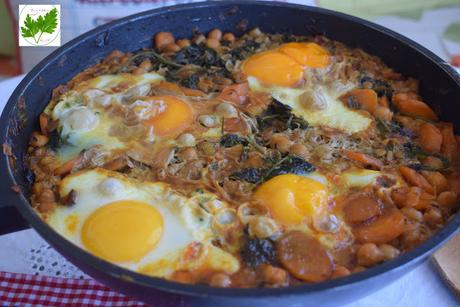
273	275
447	198
212	43
37	188
369	254
199	39
244	278
184	277
229	37
162	39
389	252
358	269
298	150
207	148
115	54
340	271
186	140
412	213
254	160
281	142
383	113
433	216
188	154
255	32
146	65
208	120
171	48
262	227
226	110
138	71
46	196
220	280
433	162
216	34
183	43
47	207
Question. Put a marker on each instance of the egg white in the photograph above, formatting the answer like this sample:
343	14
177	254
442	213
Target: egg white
184	223
94	96
334	115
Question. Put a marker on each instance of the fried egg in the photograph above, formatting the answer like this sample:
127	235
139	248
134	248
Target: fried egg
142	226
280	73
82	112
284	66
306	202
116	112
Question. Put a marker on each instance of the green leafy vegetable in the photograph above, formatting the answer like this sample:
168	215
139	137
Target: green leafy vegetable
414	151
230	140
153	56
250	174
198	55
381	87
244	51
392	127
56	140
280	116
290	165
43	24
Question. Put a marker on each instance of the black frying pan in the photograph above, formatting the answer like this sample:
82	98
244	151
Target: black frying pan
439	85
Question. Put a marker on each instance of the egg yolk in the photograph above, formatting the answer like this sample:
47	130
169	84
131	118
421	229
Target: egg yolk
291	198
307	54
174	116
122	231
284	66
273	68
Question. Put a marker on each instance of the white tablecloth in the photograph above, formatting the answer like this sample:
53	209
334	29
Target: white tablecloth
27	252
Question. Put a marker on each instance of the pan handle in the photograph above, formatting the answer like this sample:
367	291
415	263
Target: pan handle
10	218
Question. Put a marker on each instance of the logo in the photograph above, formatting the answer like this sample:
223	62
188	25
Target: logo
39	25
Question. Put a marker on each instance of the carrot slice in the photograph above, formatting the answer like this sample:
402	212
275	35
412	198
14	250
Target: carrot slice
236	93
236	124
43	120
169	86
406	196
360	208
382	230
192	92
404	96
383	102
430	138
424	201
66	168
449	143
415	179
437	180
364	159
415	108
367	98
116	164
304	257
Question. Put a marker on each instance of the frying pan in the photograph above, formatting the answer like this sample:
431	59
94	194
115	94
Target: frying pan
439	85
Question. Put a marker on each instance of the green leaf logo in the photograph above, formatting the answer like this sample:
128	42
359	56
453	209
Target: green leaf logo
43	24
